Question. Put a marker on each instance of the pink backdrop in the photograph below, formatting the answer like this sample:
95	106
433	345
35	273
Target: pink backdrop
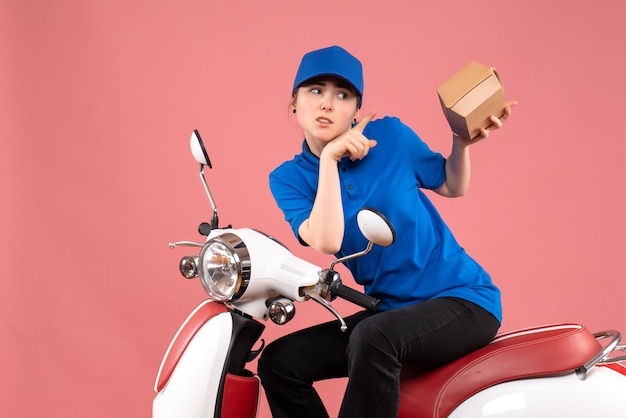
97	102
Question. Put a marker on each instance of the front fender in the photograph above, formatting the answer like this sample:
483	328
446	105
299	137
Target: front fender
190	376
194	322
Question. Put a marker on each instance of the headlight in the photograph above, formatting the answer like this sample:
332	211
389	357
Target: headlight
224	267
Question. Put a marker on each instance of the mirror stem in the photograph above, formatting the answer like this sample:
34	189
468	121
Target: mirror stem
214	220
351	256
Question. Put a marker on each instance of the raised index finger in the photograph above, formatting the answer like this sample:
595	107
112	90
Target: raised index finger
363	123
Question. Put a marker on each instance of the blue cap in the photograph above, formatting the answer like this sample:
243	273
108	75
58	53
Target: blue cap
332	61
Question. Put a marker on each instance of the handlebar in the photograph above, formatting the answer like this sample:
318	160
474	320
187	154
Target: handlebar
365	301
337	289
333	287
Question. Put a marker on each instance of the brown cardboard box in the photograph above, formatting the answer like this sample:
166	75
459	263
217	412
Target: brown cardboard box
470	97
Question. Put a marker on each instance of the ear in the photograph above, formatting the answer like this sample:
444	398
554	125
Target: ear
292	105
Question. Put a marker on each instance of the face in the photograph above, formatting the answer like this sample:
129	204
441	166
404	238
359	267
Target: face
325	109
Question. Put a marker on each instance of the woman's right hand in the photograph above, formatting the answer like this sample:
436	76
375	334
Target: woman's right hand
351	144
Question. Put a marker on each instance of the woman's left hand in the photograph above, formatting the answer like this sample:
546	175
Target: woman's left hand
496	123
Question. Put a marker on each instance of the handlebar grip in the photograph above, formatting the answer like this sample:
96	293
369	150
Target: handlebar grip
368	302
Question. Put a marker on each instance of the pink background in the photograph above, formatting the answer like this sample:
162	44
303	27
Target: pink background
97	102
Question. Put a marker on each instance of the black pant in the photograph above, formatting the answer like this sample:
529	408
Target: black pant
371	353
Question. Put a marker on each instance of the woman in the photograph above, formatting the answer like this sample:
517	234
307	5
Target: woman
437	303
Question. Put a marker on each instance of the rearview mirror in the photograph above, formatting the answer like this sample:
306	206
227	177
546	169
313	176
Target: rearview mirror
376	227
198	150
